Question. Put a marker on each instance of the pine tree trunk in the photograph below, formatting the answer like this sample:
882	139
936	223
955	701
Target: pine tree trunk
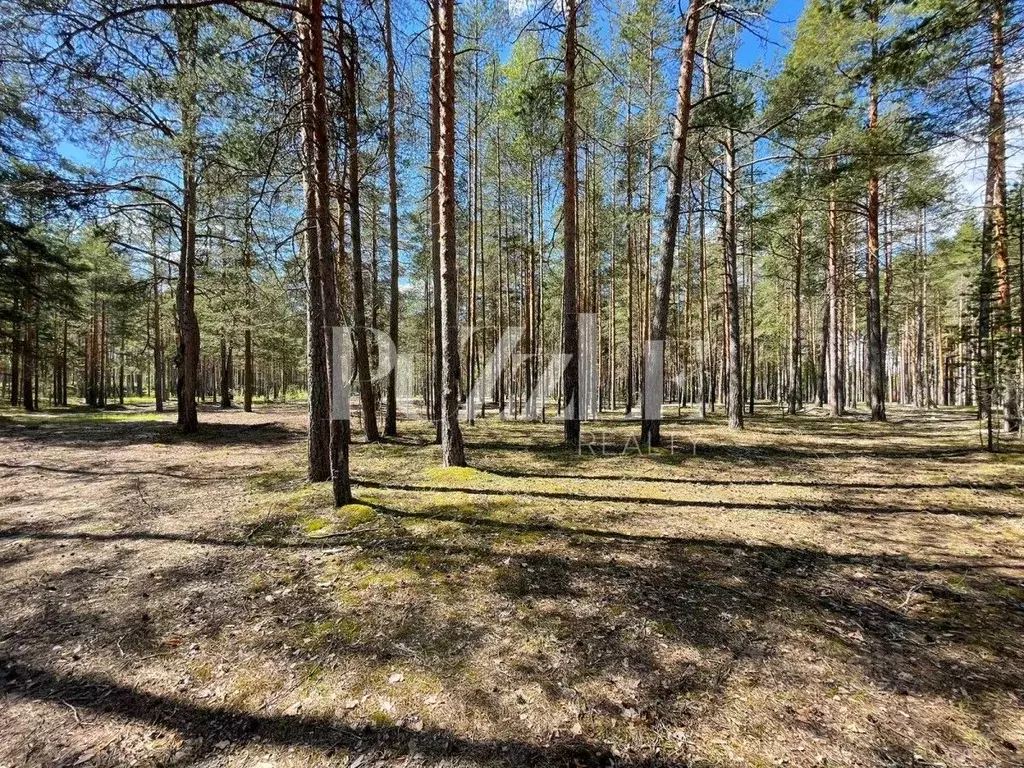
452	450
339	430
750	286
833	363
612	347
64	367
435	207
391	416
371	342
225	374
570	339
734	406
362	352
502	271
703	269
646	319
1020	269
686	382
996	210
796	339
630	259
651	429
876	350
158	357
187	358
16	339
318	441
28	355
247	381
27	381
482	277
471	258
920	376
821	363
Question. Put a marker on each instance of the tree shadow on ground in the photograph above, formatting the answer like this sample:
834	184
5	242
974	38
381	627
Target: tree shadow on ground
212	723
147	433
968	601
836	506
728	595
857	484
740	603
100	474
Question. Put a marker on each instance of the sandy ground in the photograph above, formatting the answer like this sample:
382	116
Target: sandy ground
806	592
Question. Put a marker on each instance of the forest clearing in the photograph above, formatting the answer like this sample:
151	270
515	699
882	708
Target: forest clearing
802	592
513	383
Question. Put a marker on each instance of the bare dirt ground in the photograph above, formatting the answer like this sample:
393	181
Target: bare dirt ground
806	592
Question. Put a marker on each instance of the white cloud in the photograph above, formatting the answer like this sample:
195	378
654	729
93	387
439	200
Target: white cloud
966	162
518	8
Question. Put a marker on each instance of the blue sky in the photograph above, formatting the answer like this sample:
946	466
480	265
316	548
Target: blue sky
776	33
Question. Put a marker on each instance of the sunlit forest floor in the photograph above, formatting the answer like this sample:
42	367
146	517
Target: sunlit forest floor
805	592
